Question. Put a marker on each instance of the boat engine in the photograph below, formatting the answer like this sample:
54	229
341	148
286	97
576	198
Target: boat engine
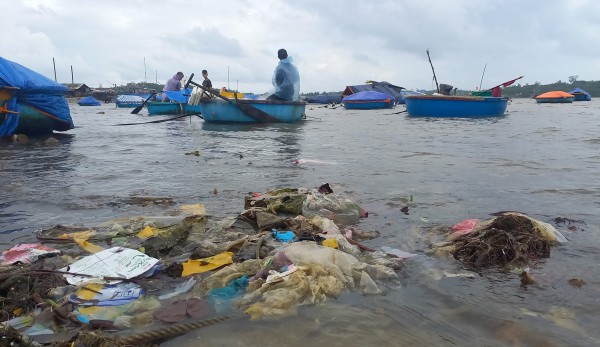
445	89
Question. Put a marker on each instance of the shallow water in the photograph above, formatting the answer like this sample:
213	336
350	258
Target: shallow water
542	160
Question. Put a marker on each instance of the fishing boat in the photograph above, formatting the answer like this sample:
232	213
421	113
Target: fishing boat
455	106
165	108
128	101
89	101
31	103
368	100
242	111
555	97
580	95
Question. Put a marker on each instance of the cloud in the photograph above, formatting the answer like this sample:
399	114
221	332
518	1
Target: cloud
334	43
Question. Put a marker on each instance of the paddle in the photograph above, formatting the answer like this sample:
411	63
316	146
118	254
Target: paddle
162	120
139	108
248	110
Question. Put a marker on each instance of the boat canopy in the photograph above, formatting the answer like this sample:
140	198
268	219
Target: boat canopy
368	96
131	98
588	97
89	101
179	95
554	94
34	90
383	87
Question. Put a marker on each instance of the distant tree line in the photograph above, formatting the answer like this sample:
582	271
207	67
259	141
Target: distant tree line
531	90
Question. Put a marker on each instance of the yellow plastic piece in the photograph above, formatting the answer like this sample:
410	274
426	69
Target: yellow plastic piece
147	232
89	291
197	209
196	266
330	243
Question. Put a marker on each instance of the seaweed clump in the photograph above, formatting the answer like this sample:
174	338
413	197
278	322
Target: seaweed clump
508	240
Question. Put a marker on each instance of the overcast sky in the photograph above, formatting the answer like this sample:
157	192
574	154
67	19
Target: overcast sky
334	43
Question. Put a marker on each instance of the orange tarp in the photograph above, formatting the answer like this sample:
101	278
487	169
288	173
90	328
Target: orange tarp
554	94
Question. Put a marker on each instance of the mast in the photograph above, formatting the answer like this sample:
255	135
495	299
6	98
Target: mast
437	87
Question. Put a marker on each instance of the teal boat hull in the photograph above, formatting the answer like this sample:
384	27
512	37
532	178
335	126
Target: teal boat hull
367	105
455	106
221	111
35	122
554	100
165	108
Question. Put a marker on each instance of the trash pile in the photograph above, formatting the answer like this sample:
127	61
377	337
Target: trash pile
510	239
288	248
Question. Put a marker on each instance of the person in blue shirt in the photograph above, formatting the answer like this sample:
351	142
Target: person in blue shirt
286	79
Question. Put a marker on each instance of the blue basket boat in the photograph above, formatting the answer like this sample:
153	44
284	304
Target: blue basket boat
368	100
455	106
221	111
30	103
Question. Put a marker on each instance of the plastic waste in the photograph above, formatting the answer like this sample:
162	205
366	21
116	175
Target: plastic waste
336	207
396	252
195	266
284	236
95	294
330	243
116	262
180	289
27	253
221	298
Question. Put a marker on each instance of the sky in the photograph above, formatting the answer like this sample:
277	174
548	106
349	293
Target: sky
334	43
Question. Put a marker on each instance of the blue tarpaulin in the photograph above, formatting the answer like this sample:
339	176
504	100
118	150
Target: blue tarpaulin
179	95
368	96
382	87
581	95
89	101
34	90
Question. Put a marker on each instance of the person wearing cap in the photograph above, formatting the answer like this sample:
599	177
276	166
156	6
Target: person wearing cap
286	79
173	84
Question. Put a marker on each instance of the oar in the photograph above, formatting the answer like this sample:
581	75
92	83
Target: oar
163	120
248	110
139	108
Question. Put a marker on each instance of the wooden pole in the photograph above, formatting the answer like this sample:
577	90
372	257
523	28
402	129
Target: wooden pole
437	87
483	74
54	63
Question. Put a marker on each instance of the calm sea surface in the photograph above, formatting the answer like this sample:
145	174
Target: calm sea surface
543	160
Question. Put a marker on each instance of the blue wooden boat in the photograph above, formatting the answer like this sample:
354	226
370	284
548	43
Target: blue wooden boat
455	106
221	111
580	95
30	103
368	100
165	108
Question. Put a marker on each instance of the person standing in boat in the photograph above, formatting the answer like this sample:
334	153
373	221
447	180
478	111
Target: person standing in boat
173	84
286	79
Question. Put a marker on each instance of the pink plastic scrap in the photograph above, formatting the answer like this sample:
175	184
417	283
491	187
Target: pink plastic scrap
464	227
27	253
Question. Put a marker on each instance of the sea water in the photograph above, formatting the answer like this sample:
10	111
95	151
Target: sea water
542	160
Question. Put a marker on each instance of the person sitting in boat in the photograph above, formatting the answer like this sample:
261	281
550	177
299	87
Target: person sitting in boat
173	84
206	84
286	79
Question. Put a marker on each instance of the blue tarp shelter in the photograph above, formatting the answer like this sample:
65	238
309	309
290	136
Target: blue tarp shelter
89	101
368	95
580	95
27	87
383	87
